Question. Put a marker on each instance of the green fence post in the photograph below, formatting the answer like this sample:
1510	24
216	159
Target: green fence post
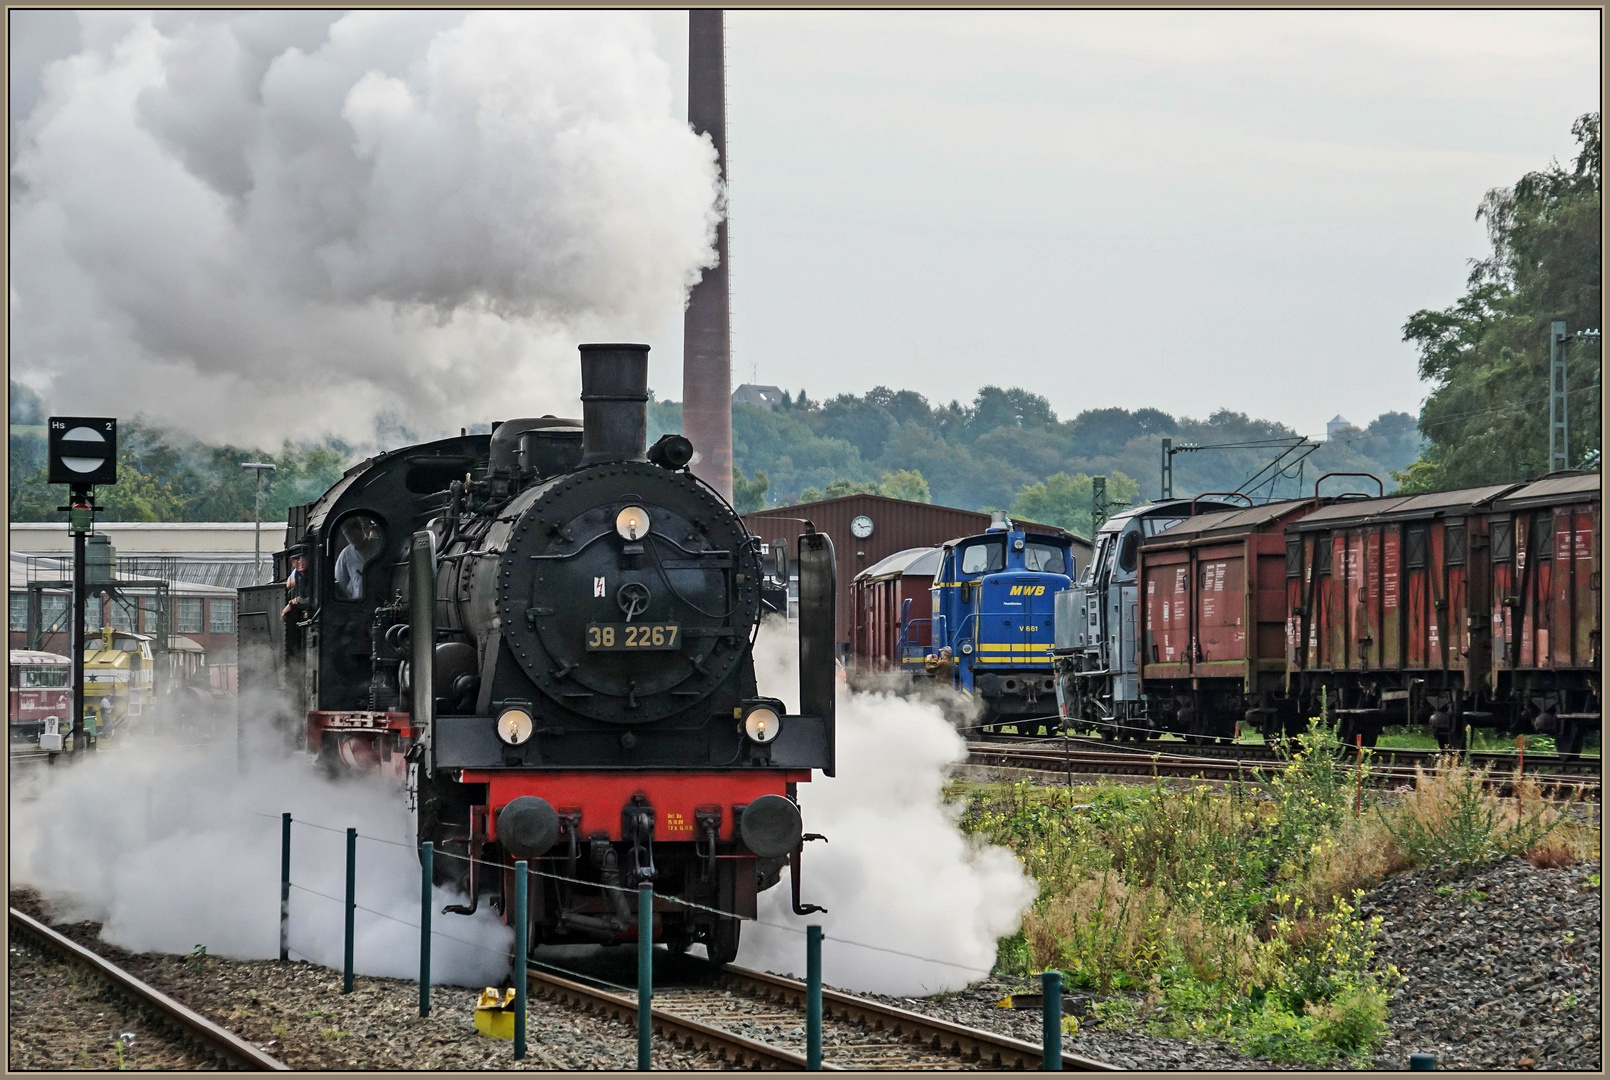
813	998
285	888
352	906
1422	1062
522	926
427	871
1051	1033
645	976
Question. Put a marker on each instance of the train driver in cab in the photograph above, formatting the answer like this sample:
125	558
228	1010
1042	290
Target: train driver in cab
349	564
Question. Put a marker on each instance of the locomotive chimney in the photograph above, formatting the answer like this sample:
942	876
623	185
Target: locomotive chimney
614	398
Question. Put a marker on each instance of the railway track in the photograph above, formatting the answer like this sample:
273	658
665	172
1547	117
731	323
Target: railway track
195	1028
1232	751
754	1020
1078	759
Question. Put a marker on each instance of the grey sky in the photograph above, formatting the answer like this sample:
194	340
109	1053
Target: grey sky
284	223
1184	210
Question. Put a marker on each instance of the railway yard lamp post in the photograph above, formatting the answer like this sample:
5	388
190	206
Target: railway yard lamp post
258	467
82	452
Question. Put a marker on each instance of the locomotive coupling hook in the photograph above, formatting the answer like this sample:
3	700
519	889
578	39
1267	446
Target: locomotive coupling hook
793	880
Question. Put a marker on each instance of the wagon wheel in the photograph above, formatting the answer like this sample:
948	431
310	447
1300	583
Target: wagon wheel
722	944
1568	744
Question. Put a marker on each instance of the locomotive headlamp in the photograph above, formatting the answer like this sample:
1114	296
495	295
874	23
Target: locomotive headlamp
632	523
762	724
514	725
967	648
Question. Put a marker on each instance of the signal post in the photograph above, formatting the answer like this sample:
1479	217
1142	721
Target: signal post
82	454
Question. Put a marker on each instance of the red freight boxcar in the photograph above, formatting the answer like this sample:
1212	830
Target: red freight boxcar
1214	638
1387	602
1544	614
891	611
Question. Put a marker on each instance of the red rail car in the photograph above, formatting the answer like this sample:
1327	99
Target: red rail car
1387	600
891	627
1214	637
1545	610
41	697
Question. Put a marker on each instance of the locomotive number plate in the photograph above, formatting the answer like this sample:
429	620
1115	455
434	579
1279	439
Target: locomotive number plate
633	637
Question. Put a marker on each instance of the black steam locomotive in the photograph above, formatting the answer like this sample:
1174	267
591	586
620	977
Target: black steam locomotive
547	634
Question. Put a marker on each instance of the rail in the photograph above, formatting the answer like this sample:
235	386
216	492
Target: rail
940	1040
198	1027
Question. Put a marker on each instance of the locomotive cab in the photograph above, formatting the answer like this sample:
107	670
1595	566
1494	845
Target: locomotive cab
1097	676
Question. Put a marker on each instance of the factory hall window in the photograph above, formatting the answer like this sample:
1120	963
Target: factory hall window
223	617
55	613
1045	559
123	614
187	615
19	611
984	558
358	543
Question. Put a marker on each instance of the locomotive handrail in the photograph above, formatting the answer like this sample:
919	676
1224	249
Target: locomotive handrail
1380	488
1231	494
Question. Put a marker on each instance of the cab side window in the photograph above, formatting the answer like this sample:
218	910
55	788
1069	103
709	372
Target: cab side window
359	540
1129	552
983	558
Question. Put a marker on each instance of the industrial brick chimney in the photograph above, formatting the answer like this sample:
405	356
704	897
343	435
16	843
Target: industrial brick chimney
706	328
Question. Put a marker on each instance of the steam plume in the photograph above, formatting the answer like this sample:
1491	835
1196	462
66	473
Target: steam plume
170	849
331	216
896	872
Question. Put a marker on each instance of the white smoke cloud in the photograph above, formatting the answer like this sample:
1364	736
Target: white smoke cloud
270	224
171	848
896	872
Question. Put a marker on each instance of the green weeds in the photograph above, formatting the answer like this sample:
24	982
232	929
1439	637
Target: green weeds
1234	915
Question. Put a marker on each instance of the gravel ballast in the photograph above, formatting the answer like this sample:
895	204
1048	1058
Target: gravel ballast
297	1013
1502	967
64	1017
1501	970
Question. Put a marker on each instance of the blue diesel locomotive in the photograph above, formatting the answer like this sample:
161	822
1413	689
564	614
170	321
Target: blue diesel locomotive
993	605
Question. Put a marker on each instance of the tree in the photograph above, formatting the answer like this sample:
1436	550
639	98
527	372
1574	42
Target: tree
1065	500
1487	354
749	495
907	484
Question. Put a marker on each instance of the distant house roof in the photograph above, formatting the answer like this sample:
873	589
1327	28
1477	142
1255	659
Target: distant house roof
767	397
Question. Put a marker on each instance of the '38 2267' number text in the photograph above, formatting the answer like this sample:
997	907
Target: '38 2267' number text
631	637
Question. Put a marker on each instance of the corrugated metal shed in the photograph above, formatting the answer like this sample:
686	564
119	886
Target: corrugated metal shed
897	526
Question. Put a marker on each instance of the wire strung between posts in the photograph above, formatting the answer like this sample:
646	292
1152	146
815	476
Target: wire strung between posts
616	888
